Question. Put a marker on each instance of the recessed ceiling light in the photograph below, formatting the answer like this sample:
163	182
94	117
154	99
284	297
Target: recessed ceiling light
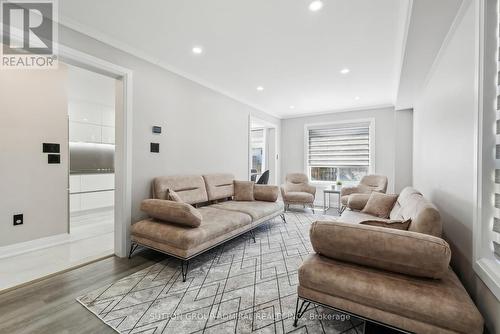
197	50
260	88
292	107
357	98
345	70
315	6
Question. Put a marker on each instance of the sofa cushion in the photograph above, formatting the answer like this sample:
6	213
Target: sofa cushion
170	211
404	252
443	303
425	218
243	190
299	197
173	196
216	223
379	204
266	193
256	209
190	188
219	186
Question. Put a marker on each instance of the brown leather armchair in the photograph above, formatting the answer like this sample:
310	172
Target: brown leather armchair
297	190
367	185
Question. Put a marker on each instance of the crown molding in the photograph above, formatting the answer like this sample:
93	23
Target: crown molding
334	111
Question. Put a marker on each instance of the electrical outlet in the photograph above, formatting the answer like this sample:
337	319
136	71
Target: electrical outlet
18	219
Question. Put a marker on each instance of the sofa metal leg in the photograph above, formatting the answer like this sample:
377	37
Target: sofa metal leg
184	269
133	247
299	312
312	208
252	235
283	218
373	328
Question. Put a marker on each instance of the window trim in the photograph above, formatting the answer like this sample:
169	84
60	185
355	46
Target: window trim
371	121
486	268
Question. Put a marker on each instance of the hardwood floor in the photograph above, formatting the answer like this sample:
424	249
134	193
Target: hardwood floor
50	307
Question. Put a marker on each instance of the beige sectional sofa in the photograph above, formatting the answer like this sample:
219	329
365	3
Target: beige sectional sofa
399	278
206	217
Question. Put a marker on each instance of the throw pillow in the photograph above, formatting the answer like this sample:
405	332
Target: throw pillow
380	205
243	190
173	196
395	224
266	193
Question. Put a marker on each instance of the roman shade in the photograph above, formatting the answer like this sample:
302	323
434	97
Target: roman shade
346	145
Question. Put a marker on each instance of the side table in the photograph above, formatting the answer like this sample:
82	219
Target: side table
329	192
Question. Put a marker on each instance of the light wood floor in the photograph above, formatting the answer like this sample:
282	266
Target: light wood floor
50	307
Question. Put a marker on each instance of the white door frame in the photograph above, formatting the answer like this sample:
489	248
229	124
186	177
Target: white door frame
123	139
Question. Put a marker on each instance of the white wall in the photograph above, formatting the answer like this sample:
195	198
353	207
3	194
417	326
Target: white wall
292	149
403	171
203	131
33	110
443	161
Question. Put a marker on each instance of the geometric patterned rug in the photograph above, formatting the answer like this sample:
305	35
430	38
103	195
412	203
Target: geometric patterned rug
238	287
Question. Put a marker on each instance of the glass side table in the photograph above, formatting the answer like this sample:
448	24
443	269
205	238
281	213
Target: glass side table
329	192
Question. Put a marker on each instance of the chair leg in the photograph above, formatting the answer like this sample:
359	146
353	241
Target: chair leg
133	247
312	208
283	218
299	312
184	269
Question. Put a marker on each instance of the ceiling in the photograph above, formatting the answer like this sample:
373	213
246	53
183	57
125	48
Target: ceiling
431	21
296	55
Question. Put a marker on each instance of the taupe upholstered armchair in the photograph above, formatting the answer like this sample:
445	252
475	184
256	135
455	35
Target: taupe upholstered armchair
367	185
297	190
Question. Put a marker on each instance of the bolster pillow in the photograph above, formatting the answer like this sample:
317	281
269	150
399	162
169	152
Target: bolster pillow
172	212
398	251
266	193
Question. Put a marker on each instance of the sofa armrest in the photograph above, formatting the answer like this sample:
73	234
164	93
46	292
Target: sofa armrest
393	250
264	192
357	201
172	212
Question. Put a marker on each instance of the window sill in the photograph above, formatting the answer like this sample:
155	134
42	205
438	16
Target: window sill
489	272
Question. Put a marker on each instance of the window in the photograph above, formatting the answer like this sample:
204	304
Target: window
496	220
338	152
486	230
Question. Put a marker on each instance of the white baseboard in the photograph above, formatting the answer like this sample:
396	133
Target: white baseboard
42	243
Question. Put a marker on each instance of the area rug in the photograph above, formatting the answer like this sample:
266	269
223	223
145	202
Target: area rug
239	287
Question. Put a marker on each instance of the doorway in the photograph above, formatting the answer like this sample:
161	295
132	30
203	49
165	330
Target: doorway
263	150
91	136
